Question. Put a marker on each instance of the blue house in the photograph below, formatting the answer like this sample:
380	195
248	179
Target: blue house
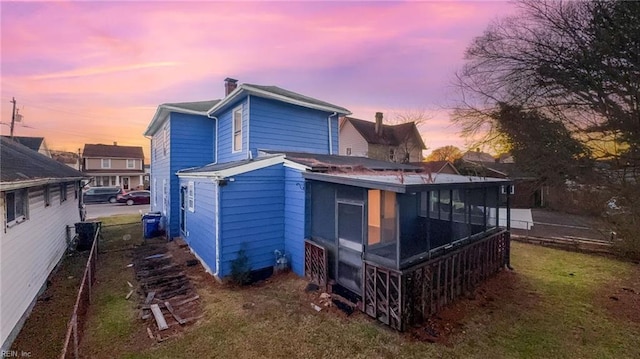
258	171
218	191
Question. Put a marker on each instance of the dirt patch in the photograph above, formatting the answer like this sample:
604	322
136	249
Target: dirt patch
505	287
621	298
43	333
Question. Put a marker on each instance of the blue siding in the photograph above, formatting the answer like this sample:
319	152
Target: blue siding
190	144
294	219
225	151
252	218
201	223
280	126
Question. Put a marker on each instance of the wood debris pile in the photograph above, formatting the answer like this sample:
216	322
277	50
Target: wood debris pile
168	299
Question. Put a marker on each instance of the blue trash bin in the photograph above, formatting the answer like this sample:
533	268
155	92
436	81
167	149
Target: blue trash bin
151	224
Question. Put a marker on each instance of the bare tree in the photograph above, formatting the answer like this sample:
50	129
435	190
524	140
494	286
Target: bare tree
577	62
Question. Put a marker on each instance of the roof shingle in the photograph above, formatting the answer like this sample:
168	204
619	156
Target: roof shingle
20	163
112	151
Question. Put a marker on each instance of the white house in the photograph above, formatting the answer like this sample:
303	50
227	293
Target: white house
39	197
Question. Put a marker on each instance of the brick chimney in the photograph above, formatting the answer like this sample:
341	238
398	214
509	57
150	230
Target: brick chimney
229	85
115	143
379	123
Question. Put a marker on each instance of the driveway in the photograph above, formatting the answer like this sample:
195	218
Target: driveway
108	209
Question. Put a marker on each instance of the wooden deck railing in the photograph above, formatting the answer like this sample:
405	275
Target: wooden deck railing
403	298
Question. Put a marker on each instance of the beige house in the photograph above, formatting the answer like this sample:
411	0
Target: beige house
113	165
396	143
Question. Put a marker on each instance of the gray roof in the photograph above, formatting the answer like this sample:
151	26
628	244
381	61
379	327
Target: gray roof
112	151
321	162
403	182
200	106
295	96
19	163
214	167
33	143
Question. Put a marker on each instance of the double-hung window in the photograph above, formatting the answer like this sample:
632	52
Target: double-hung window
191	197
131	163
15	206
106	163
237	130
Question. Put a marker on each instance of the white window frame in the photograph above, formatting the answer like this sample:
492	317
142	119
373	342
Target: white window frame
348	151
102	163
25	207
131	161
165	142
191	196
235	131
47	196
63	192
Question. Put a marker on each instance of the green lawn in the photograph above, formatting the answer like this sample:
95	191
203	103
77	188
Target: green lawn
547	308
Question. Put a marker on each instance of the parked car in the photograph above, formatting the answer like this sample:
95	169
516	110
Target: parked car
102	194
135	197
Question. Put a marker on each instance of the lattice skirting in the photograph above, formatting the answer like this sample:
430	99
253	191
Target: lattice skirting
315	263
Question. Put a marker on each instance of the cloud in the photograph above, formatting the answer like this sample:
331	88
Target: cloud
101	70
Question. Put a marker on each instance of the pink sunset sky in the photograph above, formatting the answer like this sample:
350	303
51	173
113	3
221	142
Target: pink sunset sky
94	72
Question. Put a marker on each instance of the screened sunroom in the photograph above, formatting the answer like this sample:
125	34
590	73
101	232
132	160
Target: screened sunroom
396	222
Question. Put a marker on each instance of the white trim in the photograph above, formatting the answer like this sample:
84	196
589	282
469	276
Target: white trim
233	129
295	165
249	154
161	115
240	169
191	197
9	186
266	94
102	163
217	220
133	165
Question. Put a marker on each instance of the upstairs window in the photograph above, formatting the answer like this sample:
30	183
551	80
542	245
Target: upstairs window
106	163
392	154
15	206
237	130
348	151
131	163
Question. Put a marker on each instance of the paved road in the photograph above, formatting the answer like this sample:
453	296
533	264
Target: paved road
108	209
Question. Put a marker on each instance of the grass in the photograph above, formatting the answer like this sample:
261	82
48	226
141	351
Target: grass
549	307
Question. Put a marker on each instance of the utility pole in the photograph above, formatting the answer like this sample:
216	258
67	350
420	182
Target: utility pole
13	116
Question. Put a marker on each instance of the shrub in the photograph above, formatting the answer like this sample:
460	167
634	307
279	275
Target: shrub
240	269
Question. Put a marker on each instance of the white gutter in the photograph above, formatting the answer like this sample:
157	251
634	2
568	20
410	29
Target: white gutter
249	154
330	136
8	186
215	160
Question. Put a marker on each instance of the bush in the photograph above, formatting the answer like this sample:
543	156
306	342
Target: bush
240	269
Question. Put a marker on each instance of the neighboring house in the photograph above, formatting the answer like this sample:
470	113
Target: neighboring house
396	143
437	167
39	198
37	144
257	171
70	159
114	165
478	157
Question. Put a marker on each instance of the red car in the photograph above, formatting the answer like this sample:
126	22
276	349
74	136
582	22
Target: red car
135	197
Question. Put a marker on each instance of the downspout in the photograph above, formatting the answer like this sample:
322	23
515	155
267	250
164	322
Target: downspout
217	221
216	139
330	136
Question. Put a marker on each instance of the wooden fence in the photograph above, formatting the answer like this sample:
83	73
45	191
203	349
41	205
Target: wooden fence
78	317
403	298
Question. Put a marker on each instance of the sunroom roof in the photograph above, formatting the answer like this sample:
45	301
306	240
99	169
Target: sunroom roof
403	182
